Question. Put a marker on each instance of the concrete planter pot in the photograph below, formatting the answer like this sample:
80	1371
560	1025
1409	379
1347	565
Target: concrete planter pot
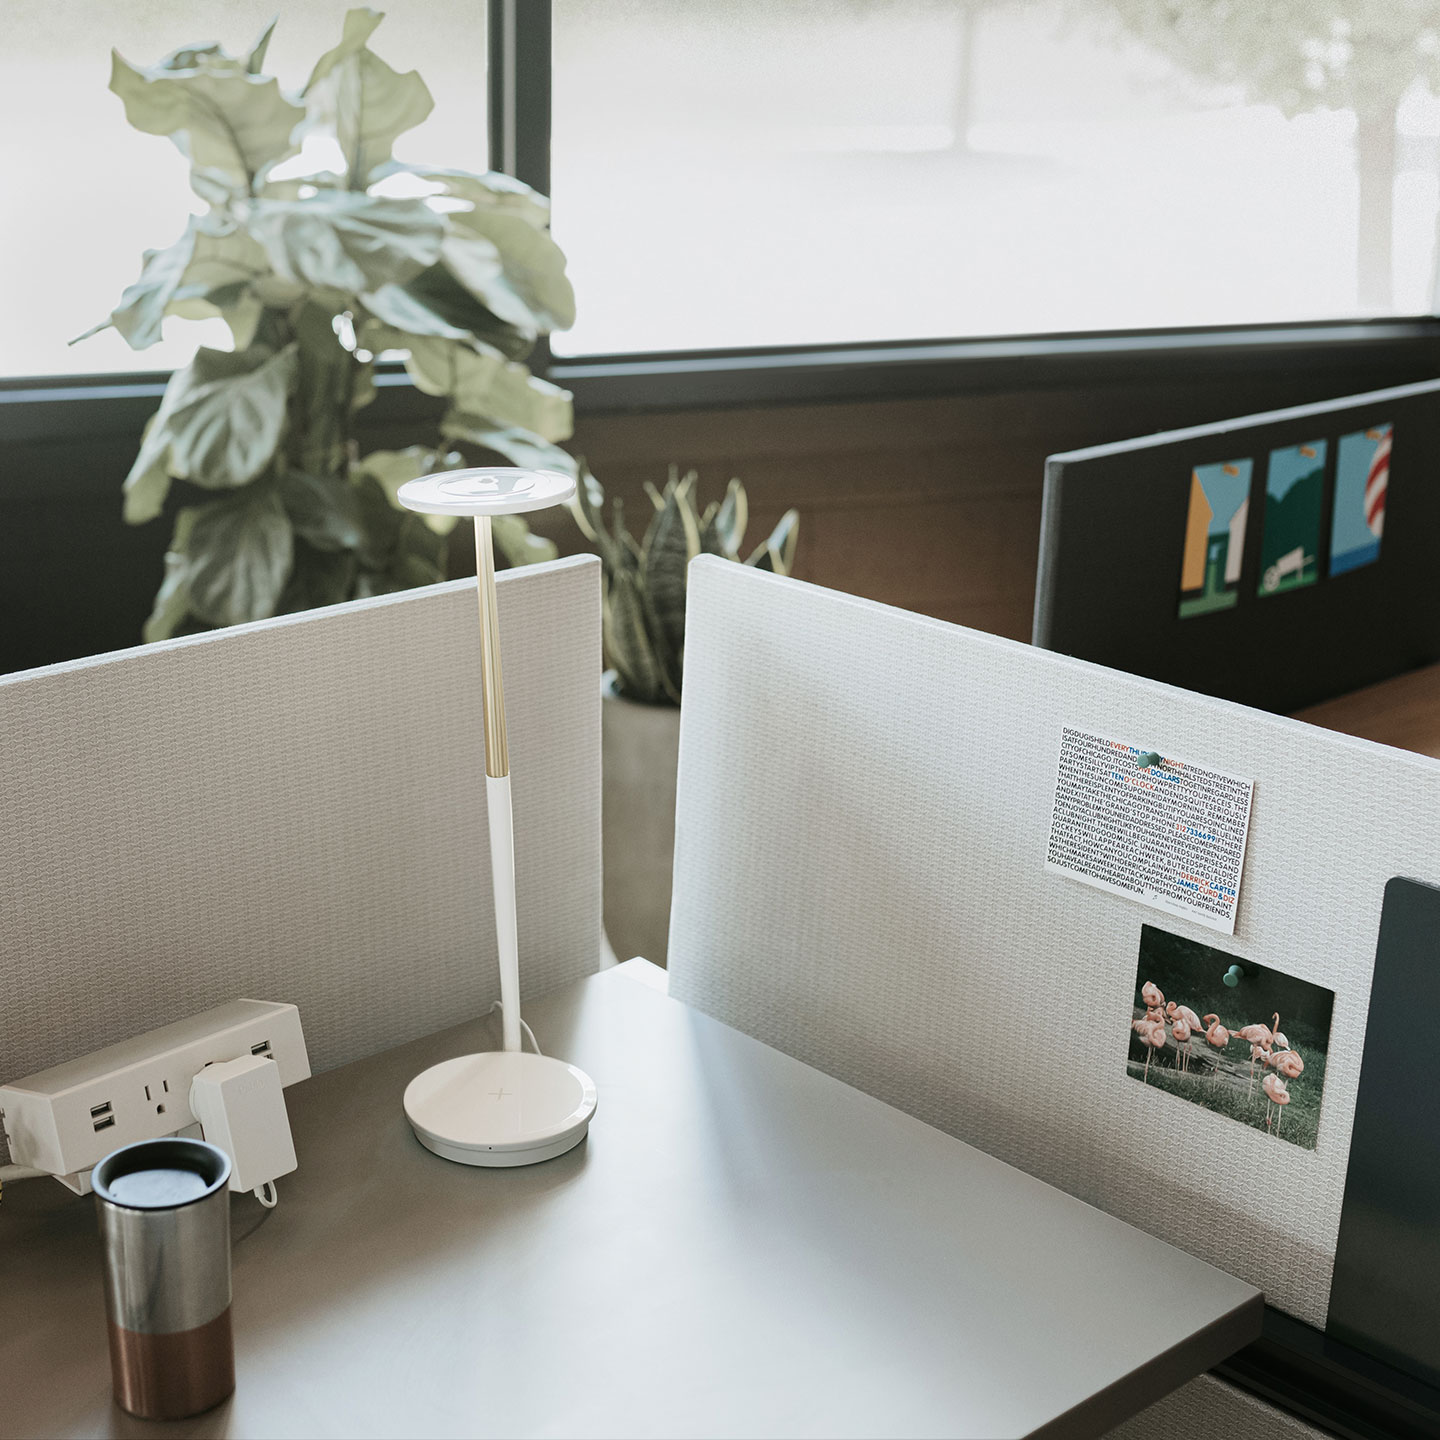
640	748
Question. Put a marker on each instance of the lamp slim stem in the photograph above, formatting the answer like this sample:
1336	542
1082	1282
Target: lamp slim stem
497	787
497	746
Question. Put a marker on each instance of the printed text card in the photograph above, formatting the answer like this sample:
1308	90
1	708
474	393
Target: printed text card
1156	829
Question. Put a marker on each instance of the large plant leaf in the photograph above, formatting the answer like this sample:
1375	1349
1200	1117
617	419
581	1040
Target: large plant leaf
366	102
256	58
323	510
317	577
229	122
148	482
145	304
346	241
481	382
390	469
222	260
221	419
519	447
518	543
172	600
477	265
400	309
381	522
243	317
419	554
443	295
534	263
490	190
190	277
239	551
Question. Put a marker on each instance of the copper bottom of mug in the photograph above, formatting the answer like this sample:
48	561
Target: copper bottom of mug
168	1377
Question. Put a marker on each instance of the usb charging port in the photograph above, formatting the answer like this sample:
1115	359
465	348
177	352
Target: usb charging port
263	1048
97	1111
105	1123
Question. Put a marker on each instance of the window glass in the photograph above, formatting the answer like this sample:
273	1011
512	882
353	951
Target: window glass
800	171
85	195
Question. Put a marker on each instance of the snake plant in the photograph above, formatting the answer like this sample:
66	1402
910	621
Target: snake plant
644	616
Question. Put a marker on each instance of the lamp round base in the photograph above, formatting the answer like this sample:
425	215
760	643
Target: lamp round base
502	1107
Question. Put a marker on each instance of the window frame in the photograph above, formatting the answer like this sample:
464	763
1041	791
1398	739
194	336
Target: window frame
74	407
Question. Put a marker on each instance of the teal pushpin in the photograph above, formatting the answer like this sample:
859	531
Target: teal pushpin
1147	758
1233	976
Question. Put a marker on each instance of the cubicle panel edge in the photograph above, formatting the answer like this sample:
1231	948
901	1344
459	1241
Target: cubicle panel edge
1113	525
864	802
295	810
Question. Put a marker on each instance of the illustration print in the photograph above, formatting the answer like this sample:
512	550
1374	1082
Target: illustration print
1362	479
1214	537
1294	495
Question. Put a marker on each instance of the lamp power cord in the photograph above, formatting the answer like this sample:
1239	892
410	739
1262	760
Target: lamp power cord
528	1032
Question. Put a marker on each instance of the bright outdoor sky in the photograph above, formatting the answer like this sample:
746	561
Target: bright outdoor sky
780	174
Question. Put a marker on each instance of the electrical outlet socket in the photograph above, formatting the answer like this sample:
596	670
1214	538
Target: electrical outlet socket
68	1118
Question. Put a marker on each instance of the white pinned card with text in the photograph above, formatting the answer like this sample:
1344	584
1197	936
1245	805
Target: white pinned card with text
1151	827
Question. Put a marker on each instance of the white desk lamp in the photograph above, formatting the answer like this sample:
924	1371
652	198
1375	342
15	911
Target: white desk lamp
503	1107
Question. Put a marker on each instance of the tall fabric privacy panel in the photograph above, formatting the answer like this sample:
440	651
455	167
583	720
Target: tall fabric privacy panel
295	810
864	803
1216	1410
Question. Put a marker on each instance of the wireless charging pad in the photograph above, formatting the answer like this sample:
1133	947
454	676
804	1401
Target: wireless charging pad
502	1107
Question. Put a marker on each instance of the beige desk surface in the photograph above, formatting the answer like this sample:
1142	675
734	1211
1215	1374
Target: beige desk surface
1404	712
743	1246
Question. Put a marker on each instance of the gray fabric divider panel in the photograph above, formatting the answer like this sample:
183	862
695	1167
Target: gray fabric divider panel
864	802
295	810
1217	1410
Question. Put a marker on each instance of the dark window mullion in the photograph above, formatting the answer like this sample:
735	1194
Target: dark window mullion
518	70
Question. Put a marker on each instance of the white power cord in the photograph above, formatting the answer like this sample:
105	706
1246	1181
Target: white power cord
534	1044
267	1194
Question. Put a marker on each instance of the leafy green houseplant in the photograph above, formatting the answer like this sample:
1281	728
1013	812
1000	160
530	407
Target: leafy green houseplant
317	273
644	615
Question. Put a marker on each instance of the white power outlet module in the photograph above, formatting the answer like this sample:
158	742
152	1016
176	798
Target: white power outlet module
67	1118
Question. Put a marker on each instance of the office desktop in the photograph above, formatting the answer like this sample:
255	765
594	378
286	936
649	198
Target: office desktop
877	1164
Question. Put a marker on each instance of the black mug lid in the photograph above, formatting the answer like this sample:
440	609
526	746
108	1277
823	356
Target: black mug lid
161	1174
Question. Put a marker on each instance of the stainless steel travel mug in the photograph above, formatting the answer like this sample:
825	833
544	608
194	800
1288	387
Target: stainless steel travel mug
164	1209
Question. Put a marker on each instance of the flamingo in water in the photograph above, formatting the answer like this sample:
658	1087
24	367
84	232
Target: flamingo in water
1152	1035
1260	1040
1218	1036
1185	1013
1256	1035
1289	1064
1278	1092
1260	1053
1181	1032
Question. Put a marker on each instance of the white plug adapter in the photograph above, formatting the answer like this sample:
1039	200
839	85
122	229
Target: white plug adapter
64	1119
241	1108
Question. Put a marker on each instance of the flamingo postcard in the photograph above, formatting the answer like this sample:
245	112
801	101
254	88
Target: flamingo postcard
1238	1038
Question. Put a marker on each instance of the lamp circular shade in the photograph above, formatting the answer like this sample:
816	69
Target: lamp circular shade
500	1107
490	490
